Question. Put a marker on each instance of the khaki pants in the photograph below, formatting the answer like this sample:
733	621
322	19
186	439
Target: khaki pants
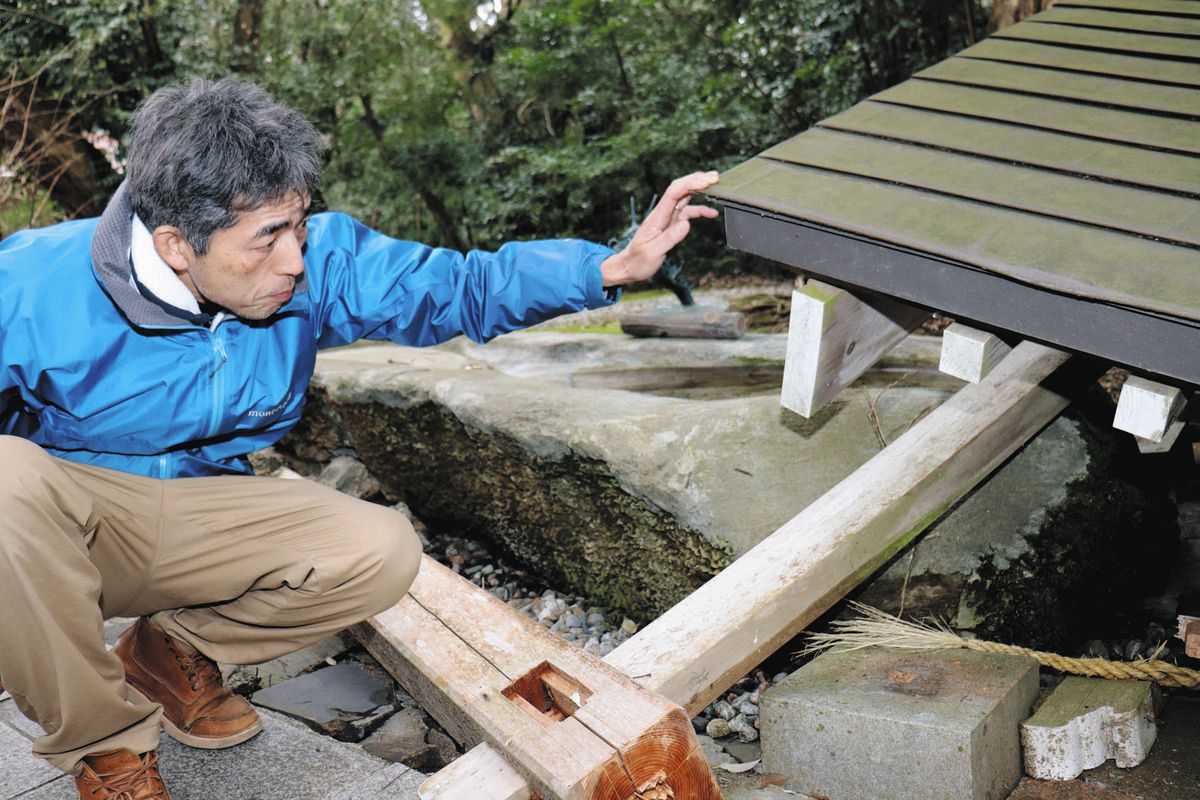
244	569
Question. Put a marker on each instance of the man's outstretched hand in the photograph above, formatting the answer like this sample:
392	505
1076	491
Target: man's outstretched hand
663	228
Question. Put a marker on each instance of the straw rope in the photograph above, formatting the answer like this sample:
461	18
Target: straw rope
878	628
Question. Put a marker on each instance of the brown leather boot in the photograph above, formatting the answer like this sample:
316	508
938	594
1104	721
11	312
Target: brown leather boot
197	708
121	775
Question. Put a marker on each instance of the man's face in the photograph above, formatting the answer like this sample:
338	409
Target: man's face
252	267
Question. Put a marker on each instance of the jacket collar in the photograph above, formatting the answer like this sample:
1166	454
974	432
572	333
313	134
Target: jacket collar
110	260
114	270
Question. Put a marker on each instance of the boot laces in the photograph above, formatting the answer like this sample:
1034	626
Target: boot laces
201	670
122	784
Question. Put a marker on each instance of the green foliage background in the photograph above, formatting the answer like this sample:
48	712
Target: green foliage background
467	125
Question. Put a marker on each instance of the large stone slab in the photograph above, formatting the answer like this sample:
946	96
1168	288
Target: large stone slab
882	724
635	498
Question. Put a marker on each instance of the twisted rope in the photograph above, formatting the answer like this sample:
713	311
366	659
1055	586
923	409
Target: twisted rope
878	628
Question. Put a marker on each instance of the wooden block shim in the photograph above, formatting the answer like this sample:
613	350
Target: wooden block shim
571	726
1147	408
833	337
1086	721
1164	445
1189	634
969	353
694	323
710	639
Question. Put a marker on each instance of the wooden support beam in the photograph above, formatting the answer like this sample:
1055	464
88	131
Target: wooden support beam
713	637
571	726
1147	409
833	337
969	353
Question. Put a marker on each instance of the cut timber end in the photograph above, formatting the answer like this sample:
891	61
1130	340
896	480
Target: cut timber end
572	727
1147	408
970	354
833	337
1189	634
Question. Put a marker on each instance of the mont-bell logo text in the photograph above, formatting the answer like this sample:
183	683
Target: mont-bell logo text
270	412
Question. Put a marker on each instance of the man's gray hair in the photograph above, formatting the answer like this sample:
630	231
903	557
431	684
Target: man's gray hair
203	151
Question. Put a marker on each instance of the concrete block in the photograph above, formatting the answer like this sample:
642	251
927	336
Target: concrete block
883	724
1086	721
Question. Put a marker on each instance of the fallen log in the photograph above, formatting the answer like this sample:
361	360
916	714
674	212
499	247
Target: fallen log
694	323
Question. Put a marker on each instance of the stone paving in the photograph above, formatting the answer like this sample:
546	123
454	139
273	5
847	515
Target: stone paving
287	761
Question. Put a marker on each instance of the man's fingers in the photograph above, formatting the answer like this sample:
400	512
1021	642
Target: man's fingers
678	194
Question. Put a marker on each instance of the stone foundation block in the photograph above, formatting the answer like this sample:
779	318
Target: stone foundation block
1086	721
883	724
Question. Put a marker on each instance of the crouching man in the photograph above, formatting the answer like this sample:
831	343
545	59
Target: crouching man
143	354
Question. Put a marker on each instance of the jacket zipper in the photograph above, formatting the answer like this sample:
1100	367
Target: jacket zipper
217	376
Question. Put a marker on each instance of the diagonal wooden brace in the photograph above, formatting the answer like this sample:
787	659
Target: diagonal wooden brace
572	726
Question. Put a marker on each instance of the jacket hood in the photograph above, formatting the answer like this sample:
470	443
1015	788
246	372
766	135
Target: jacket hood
110	260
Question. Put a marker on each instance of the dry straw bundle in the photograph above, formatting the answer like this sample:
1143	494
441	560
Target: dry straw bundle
877	628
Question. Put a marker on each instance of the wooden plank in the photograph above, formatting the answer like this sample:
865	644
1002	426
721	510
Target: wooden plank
1158	70
969	353
1059	256
479	774
706	642
1057	151
1101	90
1138	211
480	668
1181	8
835	336
1117	19
1115	125
1138	44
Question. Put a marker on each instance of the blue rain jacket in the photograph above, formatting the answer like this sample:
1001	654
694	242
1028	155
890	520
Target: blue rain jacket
94	371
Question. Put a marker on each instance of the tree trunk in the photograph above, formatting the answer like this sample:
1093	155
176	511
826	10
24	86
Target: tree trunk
247	26
1008	12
